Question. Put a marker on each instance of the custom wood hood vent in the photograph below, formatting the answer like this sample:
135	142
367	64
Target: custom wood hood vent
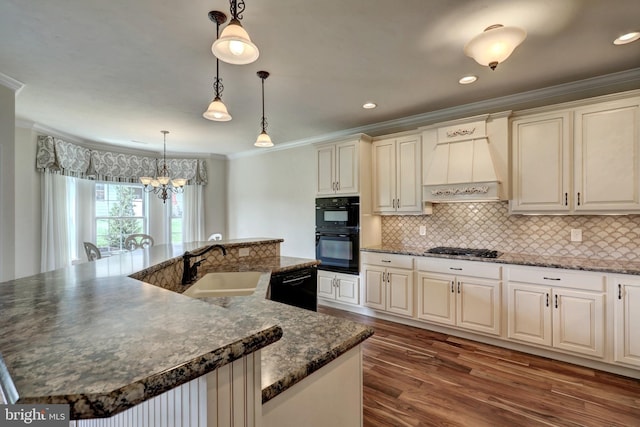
462	168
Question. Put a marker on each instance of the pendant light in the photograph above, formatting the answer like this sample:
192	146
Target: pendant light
217	111
234	44
494	45
263	139
163	185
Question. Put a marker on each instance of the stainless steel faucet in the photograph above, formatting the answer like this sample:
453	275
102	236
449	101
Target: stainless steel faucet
190	272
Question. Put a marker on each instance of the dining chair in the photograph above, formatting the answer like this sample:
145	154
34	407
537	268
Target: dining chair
215	236
93	253
138	241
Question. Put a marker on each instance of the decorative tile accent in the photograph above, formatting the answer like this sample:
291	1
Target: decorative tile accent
489	225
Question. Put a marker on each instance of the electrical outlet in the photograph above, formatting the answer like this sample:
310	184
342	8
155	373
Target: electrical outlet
243	251
576	235
423	230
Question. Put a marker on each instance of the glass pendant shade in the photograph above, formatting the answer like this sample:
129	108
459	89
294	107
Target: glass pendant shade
217	111
494	45
263	140
234	45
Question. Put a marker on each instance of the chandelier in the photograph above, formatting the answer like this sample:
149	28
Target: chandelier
163	186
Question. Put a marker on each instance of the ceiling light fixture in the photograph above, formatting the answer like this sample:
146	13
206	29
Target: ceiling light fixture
494	45
627	38
163	185
234	44
263	139
369	105
217	111
468	80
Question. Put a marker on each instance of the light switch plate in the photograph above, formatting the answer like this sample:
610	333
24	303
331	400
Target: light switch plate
244	251
423	230
576	235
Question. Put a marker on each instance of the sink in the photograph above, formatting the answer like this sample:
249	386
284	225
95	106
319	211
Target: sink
229	284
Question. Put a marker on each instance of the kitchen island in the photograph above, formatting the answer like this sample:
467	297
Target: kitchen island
93	337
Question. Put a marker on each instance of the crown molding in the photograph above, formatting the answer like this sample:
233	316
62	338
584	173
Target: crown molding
11	83
555	94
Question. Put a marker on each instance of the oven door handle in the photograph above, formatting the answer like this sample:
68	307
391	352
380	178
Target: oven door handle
296	279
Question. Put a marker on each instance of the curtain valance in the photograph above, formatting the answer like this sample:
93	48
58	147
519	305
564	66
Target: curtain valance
65	158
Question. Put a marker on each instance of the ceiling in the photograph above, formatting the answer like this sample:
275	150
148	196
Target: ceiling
119	71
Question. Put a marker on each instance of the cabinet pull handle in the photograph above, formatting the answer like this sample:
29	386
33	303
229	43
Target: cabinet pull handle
397	203
458	286
547	299
566	199
556	301
385	260
452	287
389	278
552	278
578	198
455	268
393	203
619	291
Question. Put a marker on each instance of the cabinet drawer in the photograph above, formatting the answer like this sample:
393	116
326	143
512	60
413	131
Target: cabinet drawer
460	268
387	260
560	278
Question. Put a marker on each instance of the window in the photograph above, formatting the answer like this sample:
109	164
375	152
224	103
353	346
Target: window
121	210
176	221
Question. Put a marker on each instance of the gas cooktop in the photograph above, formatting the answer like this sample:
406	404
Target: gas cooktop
446	250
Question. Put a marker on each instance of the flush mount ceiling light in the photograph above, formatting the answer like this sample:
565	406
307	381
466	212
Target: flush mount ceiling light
263	139
467	80
627	38
369	105
234	44
163	185
217	111
494	45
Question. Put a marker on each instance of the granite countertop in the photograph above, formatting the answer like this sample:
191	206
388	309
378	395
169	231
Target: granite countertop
94	338
570	263
310	340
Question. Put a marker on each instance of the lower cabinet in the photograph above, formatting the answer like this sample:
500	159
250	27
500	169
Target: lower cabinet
557	309
338	287
627	320
387	286
462	300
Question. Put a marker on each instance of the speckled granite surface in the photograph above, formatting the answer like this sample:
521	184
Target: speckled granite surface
310	340
570	263
101	341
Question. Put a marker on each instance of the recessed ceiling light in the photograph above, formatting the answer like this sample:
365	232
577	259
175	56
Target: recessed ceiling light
467	80
627	38
369	105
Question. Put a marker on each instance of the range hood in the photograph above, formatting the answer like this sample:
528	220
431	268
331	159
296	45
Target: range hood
462	167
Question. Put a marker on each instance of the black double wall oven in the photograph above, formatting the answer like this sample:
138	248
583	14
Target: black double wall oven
338	234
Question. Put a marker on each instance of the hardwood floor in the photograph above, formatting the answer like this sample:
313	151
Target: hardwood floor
414	377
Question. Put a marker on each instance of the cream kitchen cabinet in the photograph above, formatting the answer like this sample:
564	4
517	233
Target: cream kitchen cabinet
337	167
388	282
457	293
584	159
338	287
397	169
558	309
627	320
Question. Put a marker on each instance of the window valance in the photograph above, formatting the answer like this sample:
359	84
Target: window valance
63	157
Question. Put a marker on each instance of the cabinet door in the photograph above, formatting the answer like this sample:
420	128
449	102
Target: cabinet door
326	285
607	156
384	176
374	289
408	175
529	317
578	321
325	172
478	305
627	323
437	298
347	167
400	291
347	290
541	163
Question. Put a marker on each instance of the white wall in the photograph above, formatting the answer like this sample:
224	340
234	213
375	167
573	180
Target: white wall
273	195
7	183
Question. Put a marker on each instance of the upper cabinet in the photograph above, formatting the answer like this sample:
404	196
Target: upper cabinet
578	160
396	172
338	167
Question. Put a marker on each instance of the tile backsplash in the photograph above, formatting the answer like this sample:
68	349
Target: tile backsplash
489	225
